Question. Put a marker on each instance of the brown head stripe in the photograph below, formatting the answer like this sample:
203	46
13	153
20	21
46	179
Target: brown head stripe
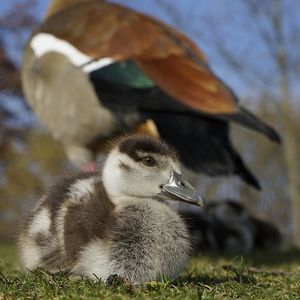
138	143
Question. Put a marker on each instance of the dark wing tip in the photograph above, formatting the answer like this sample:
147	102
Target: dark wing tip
251	179
248	119
274	136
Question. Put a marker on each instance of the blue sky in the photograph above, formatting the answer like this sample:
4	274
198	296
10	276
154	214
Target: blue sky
229	25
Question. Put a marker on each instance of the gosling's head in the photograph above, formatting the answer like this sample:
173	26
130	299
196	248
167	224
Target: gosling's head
144	167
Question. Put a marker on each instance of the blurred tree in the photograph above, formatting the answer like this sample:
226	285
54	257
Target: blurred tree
28	156
281	58
270	19
10	83
9	73
267	31
29	167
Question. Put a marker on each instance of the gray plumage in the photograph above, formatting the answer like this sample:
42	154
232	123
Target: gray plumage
82	227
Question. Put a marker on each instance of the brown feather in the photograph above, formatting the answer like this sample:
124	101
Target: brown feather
190	84
101	29
57	6
88	220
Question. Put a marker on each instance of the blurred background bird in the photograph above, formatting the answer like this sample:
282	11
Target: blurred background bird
94	69
227	226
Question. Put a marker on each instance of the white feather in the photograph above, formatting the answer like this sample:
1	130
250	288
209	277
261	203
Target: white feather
94	261
82	188
40	223
97	64
30	253
60	225
43	43
132	182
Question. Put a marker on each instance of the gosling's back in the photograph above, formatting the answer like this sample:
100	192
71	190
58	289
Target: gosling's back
75	227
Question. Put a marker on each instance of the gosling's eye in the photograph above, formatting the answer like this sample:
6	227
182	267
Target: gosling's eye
149	161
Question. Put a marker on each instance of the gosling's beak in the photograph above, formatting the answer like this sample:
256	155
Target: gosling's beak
183	191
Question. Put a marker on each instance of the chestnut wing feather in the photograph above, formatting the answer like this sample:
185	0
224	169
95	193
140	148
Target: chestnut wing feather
167	56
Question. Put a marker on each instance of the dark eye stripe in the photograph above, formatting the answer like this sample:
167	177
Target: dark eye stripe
136	143
149	161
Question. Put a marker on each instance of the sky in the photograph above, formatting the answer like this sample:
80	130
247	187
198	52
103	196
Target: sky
208	20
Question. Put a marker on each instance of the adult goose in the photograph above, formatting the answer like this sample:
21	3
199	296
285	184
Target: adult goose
93	69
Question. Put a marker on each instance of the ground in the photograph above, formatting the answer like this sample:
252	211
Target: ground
261	276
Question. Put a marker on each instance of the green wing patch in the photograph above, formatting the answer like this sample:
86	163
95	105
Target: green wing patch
125	73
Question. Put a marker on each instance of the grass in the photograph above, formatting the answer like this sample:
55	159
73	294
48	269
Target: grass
262	276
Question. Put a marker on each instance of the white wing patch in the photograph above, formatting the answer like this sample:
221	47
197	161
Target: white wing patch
41	222
60	226
97	64
43	43
94	260
82	188
31	254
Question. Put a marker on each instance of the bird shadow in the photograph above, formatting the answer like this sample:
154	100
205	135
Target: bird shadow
260	258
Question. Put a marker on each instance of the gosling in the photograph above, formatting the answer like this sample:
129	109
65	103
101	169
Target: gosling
115	222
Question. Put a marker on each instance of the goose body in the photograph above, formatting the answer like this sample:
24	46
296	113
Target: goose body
94	69
117	222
